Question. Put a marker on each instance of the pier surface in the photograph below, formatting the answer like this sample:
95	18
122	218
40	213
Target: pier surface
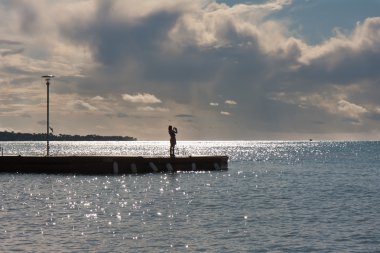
103	165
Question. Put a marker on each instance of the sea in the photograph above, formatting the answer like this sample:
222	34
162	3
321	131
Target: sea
277	196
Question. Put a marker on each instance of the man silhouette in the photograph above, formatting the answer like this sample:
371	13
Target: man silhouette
172	132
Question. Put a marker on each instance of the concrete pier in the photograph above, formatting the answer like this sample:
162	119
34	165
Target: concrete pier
110	165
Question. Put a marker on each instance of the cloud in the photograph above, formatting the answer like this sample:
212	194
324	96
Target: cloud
335	102
176	46
82	106
230	102
143	98
26	115
42	122
98	98
350	109
4	129
11	52
10	42
345	58
184	116
121	115
151	109
184	52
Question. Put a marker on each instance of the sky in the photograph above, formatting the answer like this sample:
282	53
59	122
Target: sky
217	70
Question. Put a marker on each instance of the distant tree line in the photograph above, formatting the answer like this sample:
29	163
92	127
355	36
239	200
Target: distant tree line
12	136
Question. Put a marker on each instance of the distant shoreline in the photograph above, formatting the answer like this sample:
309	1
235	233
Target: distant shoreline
12	136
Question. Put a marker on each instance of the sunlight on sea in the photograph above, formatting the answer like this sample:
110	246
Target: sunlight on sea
276	196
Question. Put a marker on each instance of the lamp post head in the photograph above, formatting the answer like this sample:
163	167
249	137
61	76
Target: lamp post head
47	77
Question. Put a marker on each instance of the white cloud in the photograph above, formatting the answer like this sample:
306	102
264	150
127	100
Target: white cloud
333	102
218	25
152	109
81	105
143	98
214	104
225	113
350	109
2	129
341	47
230	102
98	98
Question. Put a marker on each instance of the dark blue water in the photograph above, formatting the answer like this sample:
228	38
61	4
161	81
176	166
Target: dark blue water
275	197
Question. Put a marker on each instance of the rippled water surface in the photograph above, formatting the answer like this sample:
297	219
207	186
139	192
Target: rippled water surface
276	197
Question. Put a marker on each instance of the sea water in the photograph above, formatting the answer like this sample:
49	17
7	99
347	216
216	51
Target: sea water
275	197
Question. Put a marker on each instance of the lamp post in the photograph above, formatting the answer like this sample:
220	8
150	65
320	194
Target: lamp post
47	79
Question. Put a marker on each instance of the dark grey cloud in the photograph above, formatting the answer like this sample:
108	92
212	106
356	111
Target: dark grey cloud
10	42
26	115
118	44
122	115
114	40
27	12
42	122
12	52
184	116
348	67
374	116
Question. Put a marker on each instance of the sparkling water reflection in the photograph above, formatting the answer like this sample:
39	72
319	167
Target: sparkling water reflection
276	196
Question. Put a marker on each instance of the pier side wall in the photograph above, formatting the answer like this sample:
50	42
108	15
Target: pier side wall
117	165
